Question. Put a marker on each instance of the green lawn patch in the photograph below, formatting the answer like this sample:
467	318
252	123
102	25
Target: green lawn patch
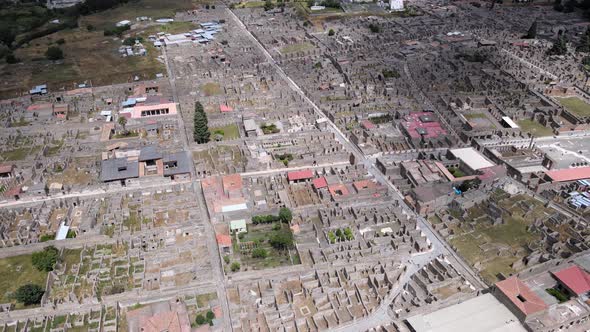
18	154
211	89
294	48
17	271
228	132
576	106
534	128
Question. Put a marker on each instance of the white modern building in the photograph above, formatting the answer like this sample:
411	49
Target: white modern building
396	5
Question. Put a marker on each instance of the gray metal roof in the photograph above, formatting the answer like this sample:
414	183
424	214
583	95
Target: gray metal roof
118	169
149	153
183	165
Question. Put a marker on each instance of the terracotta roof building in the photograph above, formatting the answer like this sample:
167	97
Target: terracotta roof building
518	297
574	279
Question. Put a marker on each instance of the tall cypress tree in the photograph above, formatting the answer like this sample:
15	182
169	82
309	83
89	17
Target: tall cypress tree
532	33
201	130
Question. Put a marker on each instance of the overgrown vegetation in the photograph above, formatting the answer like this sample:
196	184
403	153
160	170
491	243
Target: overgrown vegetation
269	129
559	295
45	260
285	158
285	216
390	73
29	294
340	235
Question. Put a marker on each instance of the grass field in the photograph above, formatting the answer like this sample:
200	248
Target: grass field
534	128
294	48
211	89
481	243
575	105
229	132
89	56
15	272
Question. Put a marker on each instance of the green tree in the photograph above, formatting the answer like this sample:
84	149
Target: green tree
331	32
560	45
201	128
11	59
29	294
200	319
584	42
259	253
348	234
54	53
226	259
123	123
532	33
7	34
210	315
268	5
282	240
235	266
285	215
45	260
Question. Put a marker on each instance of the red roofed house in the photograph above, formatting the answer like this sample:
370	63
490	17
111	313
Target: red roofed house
300	176
320	183
224	108
569	174
367	124
6	171
232	185
518	297
224	242
338	190
574	279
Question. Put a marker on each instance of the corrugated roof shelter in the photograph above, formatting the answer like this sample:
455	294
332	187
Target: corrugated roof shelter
470	157
482	314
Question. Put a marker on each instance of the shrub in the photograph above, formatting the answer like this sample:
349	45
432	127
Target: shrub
285	215
235	266
45	260
374	28
54	53
226	259
11	59
331	32
282	240
259	253
200	320
29	294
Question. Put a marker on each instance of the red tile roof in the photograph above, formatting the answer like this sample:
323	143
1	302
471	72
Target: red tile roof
338	189
413	125
6	168
575	279
367	124
232	182
223	240
569	174
320	183
224	108
364	184
521	296
300	175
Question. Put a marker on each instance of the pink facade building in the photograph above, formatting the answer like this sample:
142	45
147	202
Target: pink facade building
144	107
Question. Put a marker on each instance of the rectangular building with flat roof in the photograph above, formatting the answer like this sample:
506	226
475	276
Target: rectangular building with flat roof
482	314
